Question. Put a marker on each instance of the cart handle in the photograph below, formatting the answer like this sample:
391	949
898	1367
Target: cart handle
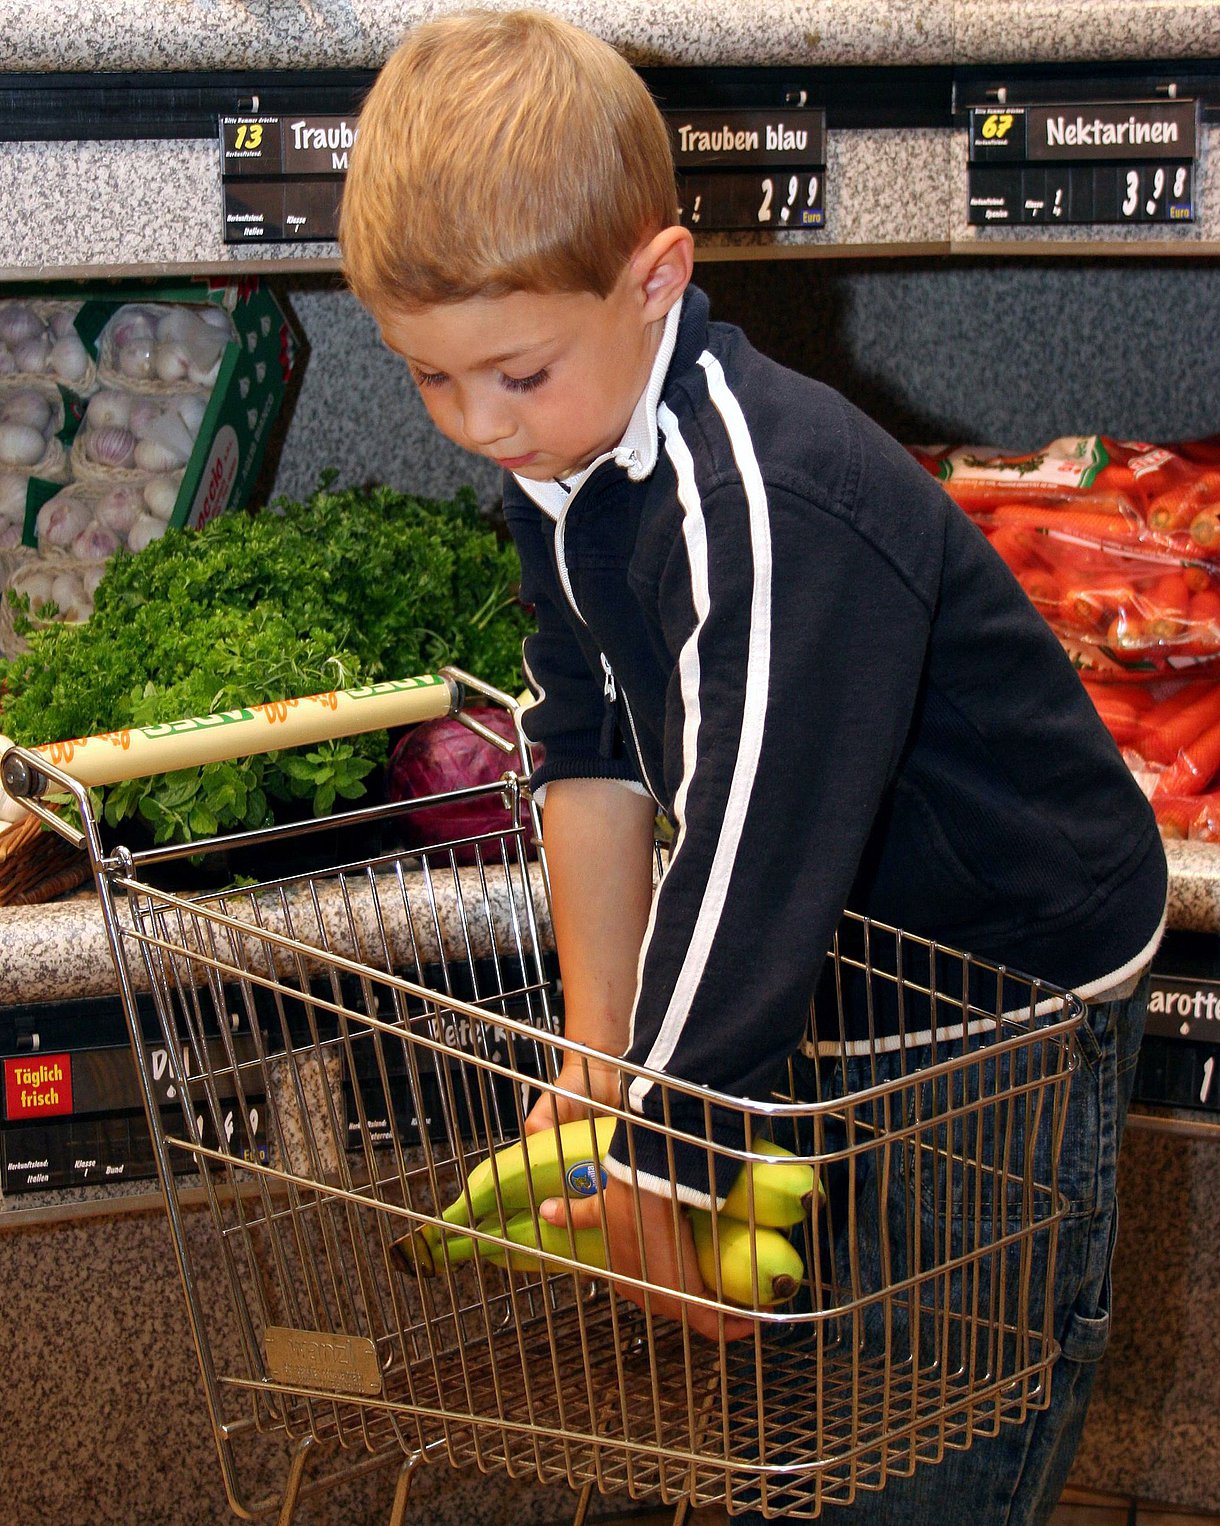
200	739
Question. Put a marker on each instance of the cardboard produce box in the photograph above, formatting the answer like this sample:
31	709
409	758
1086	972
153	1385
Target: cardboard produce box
243	390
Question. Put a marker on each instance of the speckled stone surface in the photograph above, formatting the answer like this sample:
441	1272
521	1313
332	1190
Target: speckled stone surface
1055	30
291	34
294	34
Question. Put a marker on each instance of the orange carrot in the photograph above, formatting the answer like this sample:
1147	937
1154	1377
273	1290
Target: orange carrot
1097	603
1093	526
1013	545
1195	766
1205	528
1175	722
1118	715
1170	595
1177	506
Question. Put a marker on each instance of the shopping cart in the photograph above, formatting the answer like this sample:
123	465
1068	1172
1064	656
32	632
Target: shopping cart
349	1041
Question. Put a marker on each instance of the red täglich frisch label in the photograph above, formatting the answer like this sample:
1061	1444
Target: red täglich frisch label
37	1086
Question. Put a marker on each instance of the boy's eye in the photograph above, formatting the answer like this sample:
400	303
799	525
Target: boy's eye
524	383
429	378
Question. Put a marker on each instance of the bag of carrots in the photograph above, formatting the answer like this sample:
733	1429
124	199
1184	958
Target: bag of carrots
1169	735
1117	544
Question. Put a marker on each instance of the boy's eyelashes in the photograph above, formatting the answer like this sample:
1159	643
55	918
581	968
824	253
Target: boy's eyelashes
524	383
509	383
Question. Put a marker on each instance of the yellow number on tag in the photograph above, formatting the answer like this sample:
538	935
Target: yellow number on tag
248	135
998	124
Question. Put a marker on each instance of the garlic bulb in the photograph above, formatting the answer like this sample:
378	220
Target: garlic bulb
110	447
136	359
190	408
13	488
119	509
18	322
68	358
61	519
63	321
130	323
21	445
34	581
31	354
27	406
161	496
90	576
170	431
145	411
10	534
108	409
8	366
171	360
154	455
95	543
145	530
216	317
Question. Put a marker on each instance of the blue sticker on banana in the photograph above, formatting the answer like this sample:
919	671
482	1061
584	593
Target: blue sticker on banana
582	1178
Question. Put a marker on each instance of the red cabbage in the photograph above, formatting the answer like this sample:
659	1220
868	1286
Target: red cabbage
441	755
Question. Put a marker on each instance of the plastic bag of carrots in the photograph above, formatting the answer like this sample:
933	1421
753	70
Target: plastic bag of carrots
1117	543
1169	734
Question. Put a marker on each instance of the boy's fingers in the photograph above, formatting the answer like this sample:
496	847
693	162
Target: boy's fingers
581	1212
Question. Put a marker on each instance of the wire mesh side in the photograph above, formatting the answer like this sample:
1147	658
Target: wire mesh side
349	1044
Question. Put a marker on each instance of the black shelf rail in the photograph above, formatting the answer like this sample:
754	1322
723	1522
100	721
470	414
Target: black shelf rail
115	106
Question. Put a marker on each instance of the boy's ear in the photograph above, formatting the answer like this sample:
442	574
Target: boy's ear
663	268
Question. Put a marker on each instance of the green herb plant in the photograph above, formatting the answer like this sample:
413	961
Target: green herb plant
348	587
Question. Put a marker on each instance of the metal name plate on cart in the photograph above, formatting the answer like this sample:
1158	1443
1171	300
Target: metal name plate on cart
1083	162
345	1364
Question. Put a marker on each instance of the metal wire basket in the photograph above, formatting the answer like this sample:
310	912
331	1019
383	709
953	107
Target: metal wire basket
350	1041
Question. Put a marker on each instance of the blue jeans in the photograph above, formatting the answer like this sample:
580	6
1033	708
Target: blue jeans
1015	1478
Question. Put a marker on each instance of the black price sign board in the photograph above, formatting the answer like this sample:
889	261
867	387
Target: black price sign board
1083	162
283	176
750	168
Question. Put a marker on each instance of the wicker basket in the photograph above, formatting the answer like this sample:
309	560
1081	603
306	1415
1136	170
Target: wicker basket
53	467
109	373
86	470
36	865
12	644
47	310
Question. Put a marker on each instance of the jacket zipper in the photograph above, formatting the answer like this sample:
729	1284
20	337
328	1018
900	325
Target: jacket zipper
565	583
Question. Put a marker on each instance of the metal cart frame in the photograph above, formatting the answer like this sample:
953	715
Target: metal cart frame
349	1040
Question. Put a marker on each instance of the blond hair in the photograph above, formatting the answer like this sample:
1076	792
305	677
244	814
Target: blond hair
501	152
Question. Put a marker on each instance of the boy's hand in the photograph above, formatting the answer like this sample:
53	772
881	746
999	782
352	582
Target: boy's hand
670	1264
586	1077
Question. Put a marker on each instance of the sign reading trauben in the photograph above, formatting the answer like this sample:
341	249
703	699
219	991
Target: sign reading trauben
745	139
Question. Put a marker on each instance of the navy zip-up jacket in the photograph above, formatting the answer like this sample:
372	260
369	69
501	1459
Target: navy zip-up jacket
765	613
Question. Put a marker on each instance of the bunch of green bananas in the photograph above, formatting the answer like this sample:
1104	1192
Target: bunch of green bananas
567	1162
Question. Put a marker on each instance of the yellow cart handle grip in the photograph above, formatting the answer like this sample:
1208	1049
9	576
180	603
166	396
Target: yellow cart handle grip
200	739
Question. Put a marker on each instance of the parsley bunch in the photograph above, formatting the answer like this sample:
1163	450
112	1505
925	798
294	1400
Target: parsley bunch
348	587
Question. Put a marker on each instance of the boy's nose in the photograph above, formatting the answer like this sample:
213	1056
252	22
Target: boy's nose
485	423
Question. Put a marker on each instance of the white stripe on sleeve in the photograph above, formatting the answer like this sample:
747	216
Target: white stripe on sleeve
754	707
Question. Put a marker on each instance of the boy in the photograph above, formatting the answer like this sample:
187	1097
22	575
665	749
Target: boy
758	614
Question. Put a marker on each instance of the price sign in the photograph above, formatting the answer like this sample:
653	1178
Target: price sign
750	168
282	177
1113	162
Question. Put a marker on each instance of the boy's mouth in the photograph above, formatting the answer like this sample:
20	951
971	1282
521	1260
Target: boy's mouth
515	463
